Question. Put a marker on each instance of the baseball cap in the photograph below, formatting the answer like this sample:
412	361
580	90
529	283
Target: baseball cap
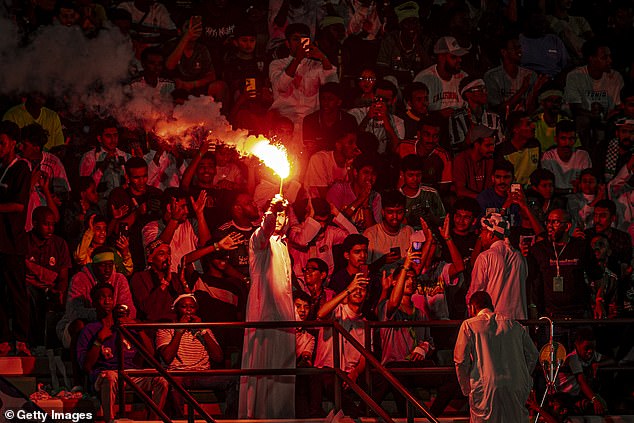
449	45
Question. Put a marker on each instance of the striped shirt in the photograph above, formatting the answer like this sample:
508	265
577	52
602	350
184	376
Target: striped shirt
191	355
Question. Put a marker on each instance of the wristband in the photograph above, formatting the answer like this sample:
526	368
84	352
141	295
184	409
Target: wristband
216	246
352	208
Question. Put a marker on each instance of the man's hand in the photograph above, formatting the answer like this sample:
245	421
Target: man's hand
231	241
119	212
278	204
123	245
200	203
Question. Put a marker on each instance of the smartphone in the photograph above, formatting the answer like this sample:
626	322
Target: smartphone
417	246
305	41
516	187
365	271
196	20
124	229
250	87
396	250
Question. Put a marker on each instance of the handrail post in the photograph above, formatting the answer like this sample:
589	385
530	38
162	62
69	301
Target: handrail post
336	346
368	376
120	379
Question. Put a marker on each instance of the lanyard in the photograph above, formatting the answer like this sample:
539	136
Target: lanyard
557	255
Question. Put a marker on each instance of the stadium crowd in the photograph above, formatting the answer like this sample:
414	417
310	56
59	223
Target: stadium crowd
438	148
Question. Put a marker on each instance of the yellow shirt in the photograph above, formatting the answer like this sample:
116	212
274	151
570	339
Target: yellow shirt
48	119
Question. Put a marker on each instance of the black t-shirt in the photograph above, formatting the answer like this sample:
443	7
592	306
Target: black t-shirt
237	70
15	183
238	258
323	136
575	262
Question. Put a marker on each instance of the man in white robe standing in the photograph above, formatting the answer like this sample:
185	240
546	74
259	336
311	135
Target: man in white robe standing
494	358
270	299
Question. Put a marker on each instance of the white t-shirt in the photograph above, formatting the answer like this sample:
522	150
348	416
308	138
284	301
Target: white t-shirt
582	89
381	241
323	171
350	356
566	172
442	94
377	128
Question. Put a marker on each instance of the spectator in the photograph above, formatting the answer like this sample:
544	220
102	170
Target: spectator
296	79
379	119
510	86
363	93
14	198
332	32
405	52
315	278
473	168
135	206
151	23
416	98
80	308
270	299
613	159
498	196
319	126
574	31
327	167
97	347
494	358
542	53
565	162
74	213
34	111
191	350
434	158
560	290
581	204
304	350
323	227
550	102
190	66
443	78
174	227
47	264
357	199
355	254
521	148
421	202
474	92
541	195
151	85
500	270
105	163
155	289
605	291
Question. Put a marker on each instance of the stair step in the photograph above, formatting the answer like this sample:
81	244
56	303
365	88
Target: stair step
31	366
26	384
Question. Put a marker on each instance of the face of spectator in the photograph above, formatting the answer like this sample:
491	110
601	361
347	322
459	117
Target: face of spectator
557	226
206	171
552	104
109	139
393	217
565	141
513	51
103	270
44	226
545	188
295	42
302	307
245	44
101	230
428	137
7	146
280	222
462	221
412	178
525	129
585	349
588	184
313	277
104	301
485	148
410	28
602	60
477	95
137	179
29	150
410	285
487	238
451	63
336	32
178	207
329	102
625	134
600	247
602	219
502	182
90	195
419	102
387	96
153	65
367	81
186	307
348	146
68	17
365	176
357	256
357	297
628	109
245	207
161	258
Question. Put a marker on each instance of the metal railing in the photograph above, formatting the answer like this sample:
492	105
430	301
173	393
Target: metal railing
341	376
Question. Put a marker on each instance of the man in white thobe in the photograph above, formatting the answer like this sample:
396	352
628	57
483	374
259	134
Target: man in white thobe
270	299
494	358
500	270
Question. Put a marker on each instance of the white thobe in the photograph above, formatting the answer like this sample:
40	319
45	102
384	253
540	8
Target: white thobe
501	271
494	358
270	299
